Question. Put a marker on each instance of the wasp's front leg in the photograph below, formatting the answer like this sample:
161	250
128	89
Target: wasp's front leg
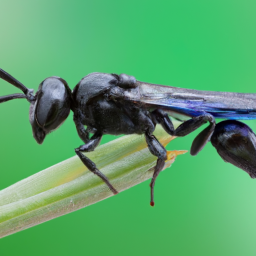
90	145
235	142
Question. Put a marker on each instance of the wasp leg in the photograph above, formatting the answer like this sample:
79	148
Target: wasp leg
162	118
235	142
90	146
83	134
159	151
203	137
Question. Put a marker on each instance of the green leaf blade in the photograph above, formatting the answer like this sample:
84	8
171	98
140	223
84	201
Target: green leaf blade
69	186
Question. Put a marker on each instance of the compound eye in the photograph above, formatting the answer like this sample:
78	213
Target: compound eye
53	103
53	114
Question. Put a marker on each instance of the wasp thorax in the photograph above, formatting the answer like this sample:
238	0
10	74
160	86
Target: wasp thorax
51	107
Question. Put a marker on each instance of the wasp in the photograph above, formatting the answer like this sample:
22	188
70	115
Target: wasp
119	104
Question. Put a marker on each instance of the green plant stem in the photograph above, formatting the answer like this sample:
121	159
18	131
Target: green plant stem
69	186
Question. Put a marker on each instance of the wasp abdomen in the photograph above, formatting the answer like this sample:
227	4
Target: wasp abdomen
236	143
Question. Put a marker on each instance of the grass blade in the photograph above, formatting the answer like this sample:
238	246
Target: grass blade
69	186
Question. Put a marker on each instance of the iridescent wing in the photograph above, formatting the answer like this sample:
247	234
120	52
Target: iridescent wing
185	103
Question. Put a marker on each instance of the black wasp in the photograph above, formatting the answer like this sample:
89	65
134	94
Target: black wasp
118	104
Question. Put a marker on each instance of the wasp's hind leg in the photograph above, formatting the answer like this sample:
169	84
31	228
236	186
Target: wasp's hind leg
203	137
187	127
235	142
159	151
90	145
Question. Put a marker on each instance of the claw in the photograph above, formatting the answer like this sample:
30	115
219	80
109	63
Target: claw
236	144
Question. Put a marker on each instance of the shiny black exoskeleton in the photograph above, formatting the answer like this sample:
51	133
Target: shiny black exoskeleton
101	103
112	104
236	144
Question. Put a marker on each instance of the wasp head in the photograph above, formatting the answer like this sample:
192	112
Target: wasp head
50	108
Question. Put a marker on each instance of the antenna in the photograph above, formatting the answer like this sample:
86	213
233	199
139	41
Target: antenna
28	93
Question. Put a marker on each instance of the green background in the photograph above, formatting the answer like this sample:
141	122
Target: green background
203	205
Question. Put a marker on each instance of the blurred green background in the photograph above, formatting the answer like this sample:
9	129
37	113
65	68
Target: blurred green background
203	205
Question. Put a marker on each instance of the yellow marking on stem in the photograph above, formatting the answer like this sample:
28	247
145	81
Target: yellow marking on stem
174	153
